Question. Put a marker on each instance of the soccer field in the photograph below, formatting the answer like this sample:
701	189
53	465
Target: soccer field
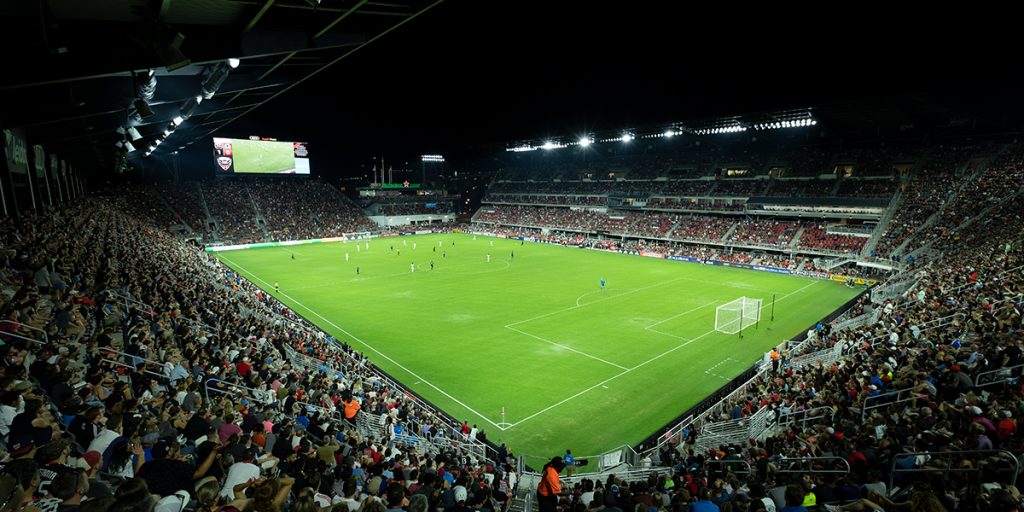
263	156
574	366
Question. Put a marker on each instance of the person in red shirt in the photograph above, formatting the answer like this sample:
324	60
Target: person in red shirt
1006	427
243	367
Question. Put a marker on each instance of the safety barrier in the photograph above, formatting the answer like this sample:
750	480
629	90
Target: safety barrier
821	465
997	376
956	457
46	337
888	398
815	415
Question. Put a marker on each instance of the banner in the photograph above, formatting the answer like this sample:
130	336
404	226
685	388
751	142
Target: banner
685	258
16	150
39	161
775	270
651	254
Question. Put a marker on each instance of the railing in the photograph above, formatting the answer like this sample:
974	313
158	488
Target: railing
136	361
821	465
736	431
997	376
888	398
954	457
22	337
233	389
730	466
802	417
152	311
46	338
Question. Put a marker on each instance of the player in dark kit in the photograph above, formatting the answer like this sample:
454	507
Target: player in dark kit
293	256
357	271
431	264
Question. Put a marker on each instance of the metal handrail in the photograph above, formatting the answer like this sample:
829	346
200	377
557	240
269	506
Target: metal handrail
46	337
806	465
949	468
729	463
998	373
234	389
20	336
805	415
912	394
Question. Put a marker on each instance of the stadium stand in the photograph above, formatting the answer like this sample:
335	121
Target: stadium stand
128	340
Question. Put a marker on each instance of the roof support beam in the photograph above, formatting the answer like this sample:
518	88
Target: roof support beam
340	18
259	14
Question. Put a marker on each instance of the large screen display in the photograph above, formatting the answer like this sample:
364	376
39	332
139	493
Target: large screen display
260	156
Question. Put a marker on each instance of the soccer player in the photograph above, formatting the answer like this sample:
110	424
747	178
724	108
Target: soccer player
357	248
513	255
431	264
405	243
435	249
293	256
488	257
439	243
346	257
412	267
492	243
444	254
276	287
357	270
414	246
391	248
367	246
399	252
602	283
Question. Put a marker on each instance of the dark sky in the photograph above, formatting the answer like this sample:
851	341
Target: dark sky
480	71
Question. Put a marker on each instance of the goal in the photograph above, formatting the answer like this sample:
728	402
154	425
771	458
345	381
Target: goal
737	315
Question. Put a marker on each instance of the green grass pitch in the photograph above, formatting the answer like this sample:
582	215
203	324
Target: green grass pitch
263	156
573	365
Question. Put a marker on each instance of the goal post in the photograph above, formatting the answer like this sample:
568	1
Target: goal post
734	316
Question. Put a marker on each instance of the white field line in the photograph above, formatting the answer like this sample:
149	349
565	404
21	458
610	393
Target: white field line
651	360
371	347
566	347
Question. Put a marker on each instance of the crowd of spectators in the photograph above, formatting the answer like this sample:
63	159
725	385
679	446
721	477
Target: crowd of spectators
698	203
764	231
421	208
926	192
866	188
816	236
167	382
952	346
546	199
801	188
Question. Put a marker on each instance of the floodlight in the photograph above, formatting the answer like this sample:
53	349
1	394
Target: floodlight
549	145
626	137
668	133
177	120
233	62
585	141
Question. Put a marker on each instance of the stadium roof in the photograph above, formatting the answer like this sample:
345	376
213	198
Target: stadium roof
80	66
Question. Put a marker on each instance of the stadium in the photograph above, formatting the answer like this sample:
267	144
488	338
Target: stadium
316	255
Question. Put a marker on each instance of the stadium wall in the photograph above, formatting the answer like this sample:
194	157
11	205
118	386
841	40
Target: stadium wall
404	220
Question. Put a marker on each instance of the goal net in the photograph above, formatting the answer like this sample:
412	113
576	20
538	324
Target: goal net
737	315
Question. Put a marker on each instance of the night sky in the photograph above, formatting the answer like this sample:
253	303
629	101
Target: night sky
470	73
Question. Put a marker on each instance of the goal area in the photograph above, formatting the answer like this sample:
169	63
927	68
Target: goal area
734	316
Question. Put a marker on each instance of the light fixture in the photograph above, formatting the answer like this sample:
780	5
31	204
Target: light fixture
177	120
233	62
668	133
585	141
627	137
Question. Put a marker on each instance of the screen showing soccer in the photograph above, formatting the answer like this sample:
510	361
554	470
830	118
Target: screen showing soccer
260	156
